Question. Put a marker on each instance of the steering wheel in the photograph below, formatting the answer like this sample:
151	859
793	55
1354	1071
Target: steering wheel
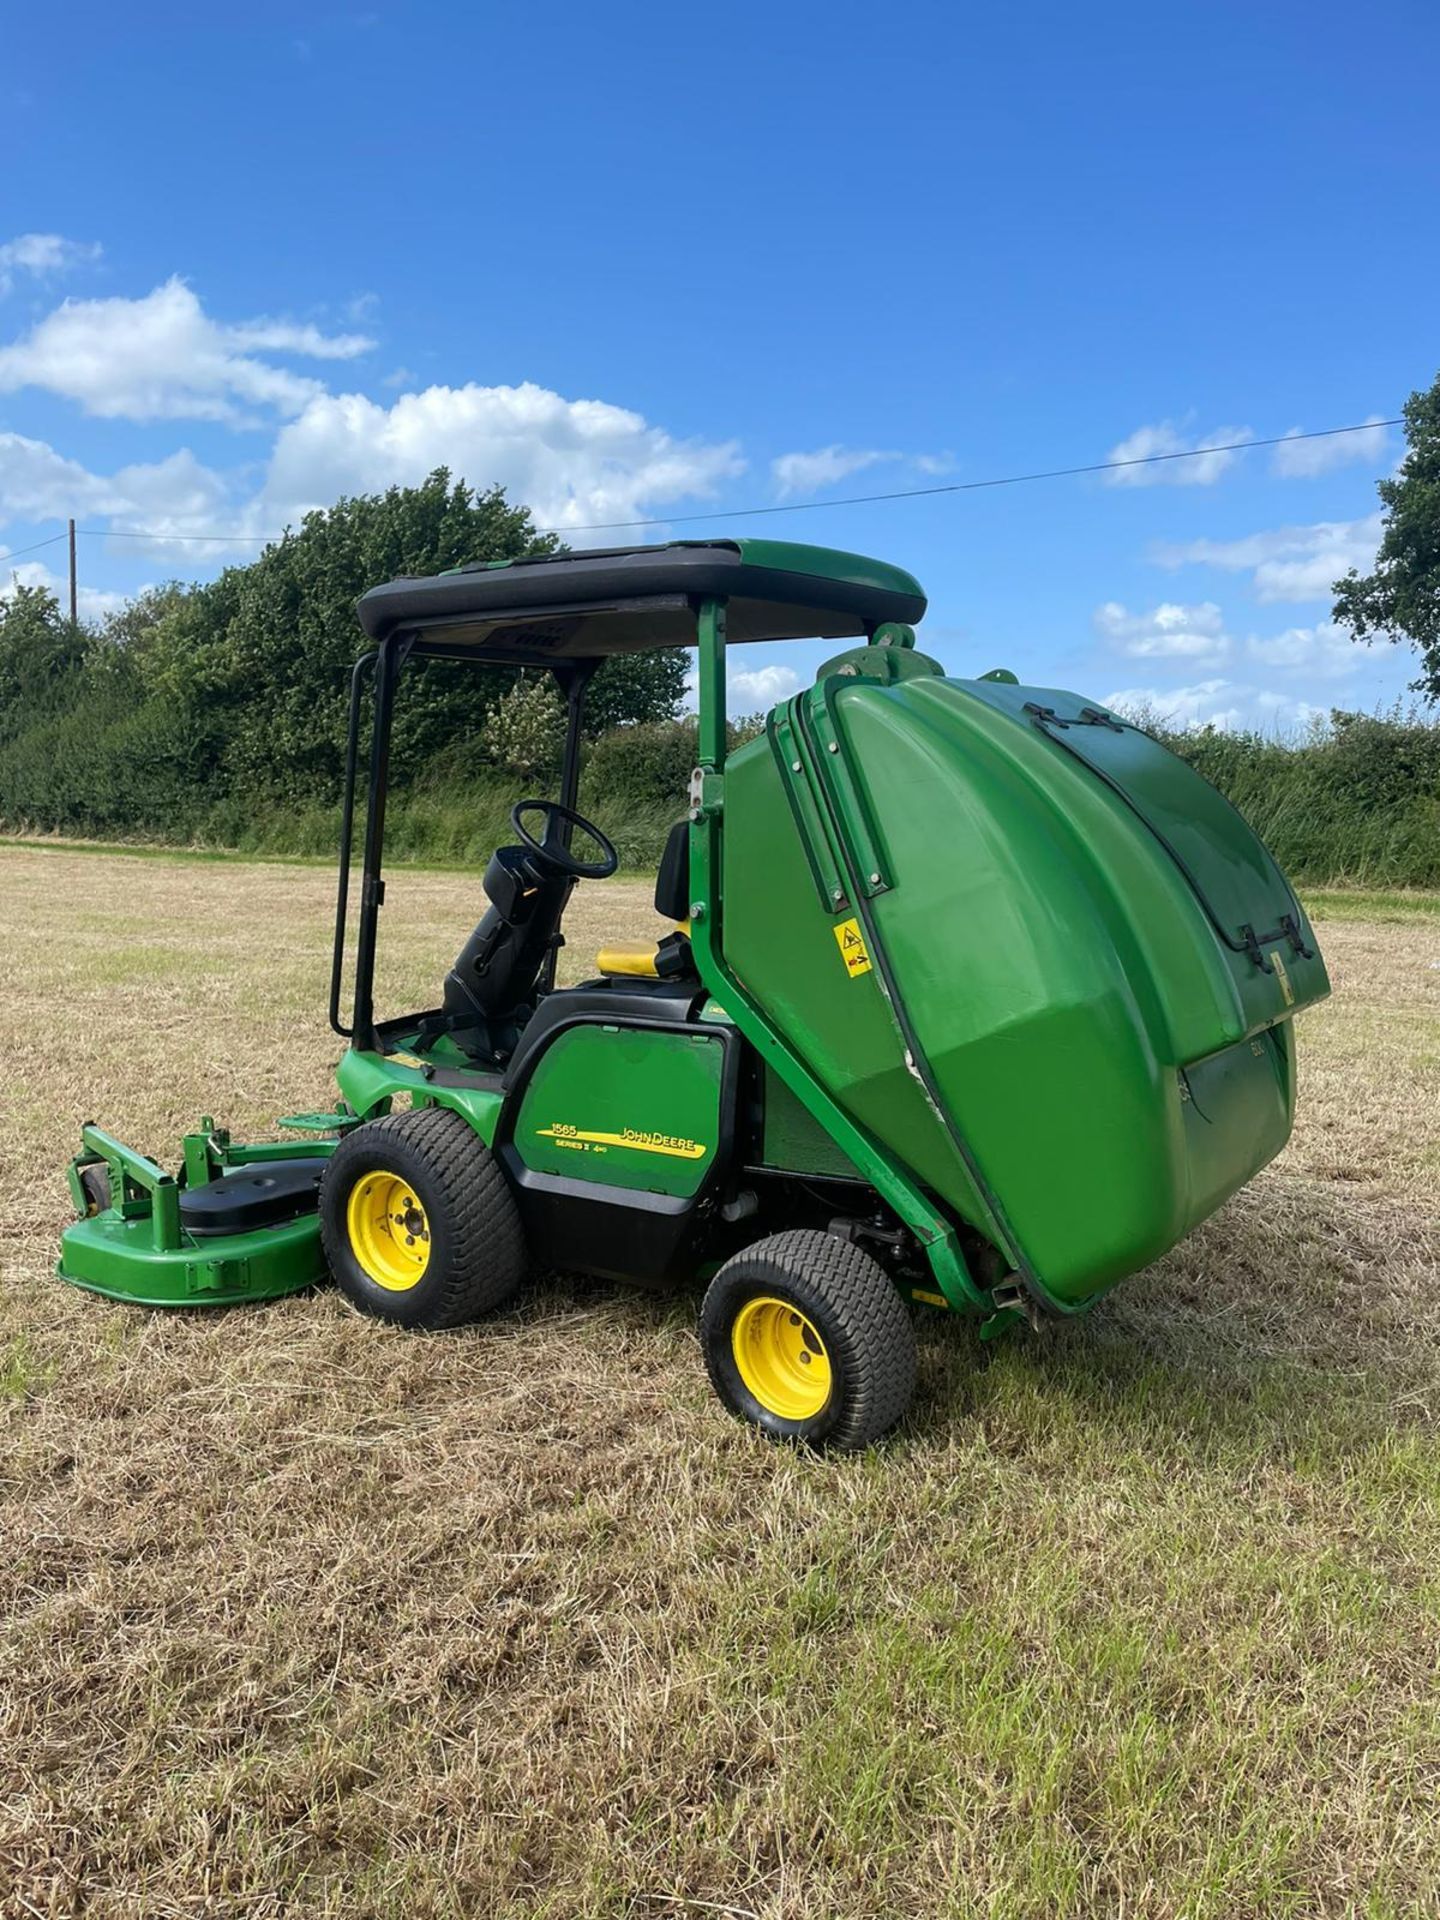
551	849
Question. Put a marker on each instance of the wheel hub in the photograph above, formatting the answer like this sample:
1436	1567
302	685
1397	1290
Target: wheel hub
389	1231
781	1358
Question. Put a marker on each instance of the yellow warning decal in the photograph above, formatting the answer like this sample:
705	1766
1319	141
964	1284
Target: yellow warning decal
583	1140
851	943
1284	978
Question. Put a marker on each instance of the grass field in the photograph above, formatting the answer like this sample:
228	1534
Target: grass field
302	1616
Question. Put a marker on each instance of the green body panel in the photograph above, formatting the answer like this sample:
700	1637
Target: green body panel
828	563
625	1108
787	1056
117	1257
136	1248
370	1081
1050	1032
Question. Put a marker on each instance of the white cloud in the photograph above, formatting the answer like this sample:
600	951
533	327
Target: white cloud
91	603
43	255
162	357
1325	650
570	461
1279	712
1297	459
752	690
1168	631
37	483
1287	563
175	495
1206	704
1164	438
1223	704
805	472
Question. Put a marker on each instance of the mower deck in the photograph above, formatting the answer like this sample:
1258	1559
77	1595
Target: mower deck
118	1257
142	1237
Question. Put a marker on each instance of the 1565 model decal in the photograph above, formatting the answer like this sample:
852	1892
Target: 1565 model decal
585	1140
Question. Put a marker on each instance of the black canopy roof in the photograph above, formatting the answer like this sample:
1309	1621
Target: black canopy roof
629	599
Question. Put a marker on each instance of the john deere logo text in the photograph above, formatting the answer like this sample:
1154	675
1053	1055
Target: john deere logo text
583	1140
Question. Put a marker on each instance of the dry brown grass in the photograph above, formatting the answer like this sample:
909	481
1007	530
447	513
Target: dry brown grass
302	1616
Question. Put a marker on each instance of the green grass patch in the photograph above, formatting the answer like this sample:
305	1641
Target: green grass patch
1347	903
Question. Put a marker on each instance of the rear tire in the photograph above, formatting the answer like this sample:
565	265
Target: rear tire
418	1223
806	1337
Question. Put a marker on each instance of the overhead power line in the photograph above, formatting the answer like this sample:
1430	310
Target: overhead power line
139	533
809	506
974	486
20	552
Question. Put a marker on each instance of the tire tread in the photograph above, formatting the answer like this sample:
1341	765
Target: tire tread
489	1243
875	1323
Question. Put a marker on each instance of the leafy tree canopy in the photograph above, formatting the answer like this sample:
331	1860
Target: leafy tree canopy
261	657
38	649
1400	600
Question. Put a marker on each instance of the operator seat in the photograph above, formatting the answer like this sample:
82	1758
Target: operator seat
489	990
672	958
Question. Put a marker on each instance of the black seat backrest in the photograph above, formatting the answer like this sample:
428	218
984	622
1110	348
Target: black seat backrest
672	883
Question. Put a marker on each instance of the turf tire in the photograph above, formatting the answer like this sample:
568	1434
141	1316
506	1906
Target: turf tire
854	1307
477	1248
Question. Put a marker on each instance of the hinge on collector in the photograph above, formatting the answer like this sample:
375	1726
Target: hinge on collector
821	855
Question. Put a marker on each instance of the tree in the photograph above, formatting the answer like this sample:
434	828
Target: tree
526	733
38	649
267	649
1400	600
234	694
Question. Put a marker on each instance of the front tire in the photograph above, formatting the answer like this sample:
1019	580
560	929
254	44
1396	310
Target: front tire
418	1224
806	1337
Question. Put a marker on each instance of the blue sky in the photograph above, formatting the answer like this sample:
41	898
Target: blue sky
640	261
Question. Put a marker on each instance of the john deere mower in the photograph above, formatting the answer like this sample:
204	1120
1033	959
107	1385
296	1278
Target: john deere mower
969	993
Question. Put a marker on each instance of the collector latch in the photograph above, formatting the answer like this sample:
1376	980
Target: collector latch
1256	943
1087	717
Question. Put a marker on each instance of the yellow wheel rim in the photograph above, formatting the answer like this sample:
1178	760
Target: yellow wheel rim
389	1232
781	1358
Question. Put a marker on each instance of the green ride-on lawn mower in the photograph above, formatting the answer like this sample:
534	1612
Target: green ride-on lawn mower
974	995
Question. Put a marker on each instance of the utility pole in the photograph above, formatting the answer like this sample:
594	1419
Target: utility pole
74	621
